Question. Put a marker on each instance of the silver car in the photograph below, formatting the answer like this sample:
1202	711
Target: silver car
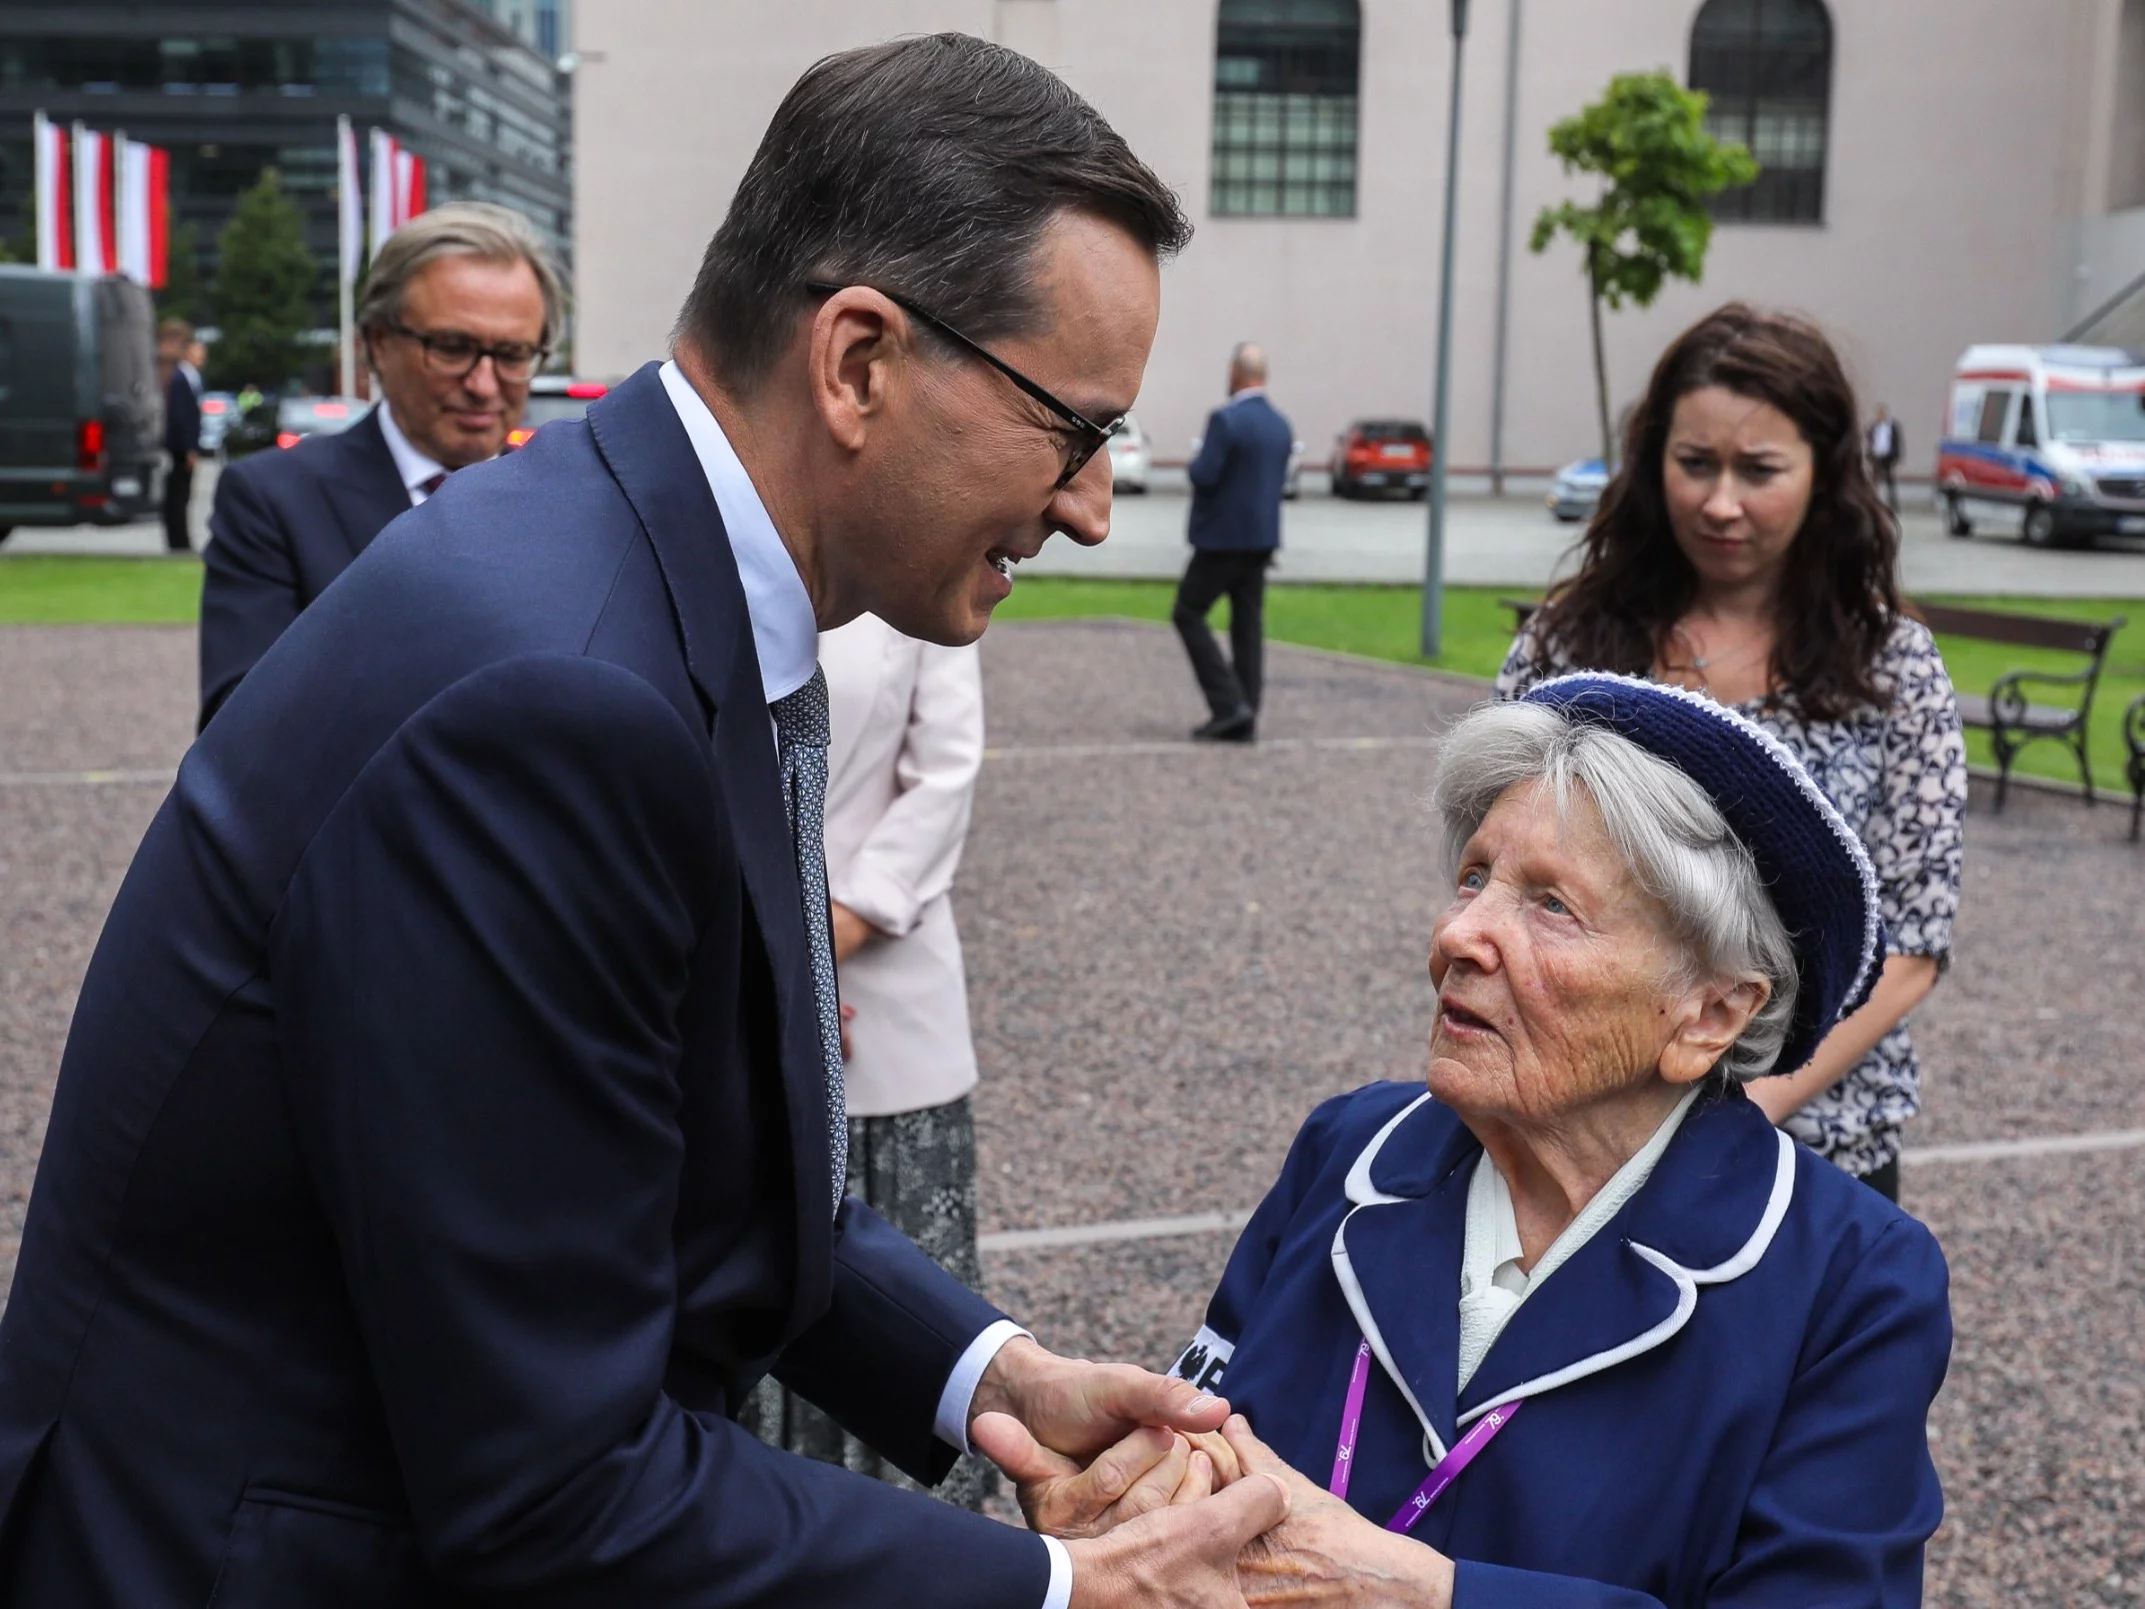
1131	457
1578	488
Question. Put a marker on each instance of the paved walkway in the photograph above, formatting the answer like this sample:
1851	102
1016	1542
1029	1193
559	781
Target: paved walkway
1510	541
1176	951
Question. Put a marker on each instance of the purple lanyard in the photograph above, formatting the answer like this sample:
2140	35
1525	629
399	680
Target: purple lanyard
1448	1468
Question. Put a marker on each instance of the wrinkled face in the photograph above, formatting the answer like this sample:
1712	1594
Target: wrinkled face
1558	985
955	483
459	420
1738	475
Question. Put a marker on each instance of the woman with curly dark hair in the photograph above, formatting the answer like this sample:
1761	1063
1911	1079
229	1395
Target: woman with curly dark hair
1742	551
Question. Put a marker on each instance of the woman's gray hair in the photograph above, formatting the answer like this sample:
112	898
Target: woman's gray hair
1664	828
480	229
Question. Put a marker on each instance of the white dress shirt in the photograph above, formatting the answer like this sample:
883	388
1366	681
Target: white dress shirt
413	466
1492	1284
785	634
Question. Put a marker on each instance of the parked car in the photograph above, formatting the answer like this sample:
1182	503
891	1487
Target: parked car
1131	457
2056	432
1291	485
554	396
81	414
286	421
219	411
1578	487
1382	455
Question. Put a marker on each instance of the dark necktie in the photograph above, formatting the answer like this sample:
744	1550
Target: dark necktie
432	483
801	724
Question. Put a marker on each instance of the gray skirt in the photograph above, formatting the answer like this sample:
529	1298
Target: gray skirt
918	1171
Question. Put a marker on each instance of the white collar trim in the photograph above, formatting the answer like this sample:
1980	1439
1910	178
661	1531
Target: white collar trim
1360	1191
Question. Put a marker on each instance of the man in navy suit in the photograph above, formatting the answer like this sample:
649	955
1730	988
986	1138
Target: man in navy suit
1237	476
182	427
447	1139
460	308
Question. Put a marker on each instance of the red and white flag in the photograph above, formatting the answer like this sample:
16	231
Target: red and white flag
142	221
55	222
349	202
93	202
409	186
398	187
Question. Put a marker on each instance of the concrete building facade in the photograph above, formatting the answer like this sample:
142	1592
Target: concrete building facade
1940	172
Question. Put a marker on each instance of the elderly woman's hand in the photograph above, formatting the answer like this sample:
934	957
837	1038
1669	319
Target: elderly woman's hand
1327	1553
1151	1468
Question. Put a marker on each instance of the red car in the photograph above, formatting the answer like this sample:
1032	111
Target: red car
554	396
1382	455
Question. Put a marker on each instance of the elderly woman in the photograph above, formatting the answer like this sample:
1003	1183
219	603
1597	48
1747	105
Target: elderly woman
1575	1325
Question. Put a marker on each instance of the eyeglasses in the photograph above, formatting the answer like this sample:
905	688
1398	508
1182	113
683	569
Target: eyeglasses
454	354
1088	437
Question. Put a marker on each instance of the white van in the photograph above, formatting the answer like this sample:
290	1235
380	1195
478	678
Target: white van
2057	432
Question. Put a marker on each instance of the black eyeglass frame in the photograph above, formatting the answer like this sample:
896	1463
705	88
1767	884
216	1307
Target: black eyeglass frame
1092	437
430	341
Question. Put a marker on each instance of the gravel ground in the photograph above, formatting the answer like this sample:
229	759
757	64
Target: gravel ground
1175	952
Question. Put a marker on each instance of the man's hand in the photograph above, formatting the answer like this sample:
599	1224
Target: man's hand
1078	1408
1149	1469
1180	1557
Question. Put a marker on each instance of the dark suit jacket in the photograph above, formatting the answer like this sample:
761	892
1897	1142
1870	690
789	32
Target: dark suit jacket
284	525
440	1151
1237	476
182	417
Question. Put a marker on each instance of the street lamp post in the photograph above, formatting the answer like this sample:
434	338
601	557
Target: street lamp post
1434	557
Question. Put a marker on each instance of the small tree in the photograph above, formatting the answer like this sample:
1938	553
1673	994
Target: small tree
1646	139
264	289
184	295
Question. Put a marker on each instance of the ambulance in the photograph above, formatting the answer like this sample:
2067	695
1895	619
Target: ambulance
2055	433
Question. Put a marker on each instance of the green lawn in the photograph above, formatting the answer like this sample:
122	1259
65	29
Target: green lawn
1378	622
66	591
1382	623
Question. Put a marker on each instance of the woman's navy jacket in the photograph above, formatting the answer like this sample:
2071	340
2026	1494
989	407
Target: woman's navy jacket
1726	1388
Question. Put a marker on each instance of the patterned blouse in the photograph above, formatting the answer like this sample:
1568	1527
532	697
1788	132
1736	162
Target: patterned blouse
1898	774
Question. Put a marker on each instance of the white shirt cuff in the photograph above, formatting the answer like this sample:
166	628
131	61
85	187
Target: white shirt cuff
951	1425
1060	1594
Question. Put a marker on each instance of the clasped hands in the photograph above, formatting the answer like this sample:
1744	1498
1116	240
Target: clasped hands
1163	1497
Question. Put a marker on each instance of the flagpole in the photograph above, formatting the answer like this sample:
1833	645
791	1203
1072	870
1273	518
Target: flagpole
346	248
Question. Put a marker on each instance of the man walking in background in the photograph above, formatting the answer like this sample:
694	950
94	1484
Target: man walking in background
461	307
1237	478
175	349
1885	449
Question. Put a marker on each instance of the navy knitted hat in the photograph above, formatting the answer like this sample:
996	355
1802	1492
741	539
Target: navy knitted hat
1811	861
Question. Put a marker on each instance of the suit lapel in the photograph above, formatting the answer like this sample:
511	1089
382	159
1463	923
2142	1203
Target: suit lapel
639	434
365	489
1397	1256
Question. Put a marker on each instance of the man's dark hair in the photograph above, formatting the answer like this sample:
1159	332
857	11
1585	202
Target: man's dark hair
928	167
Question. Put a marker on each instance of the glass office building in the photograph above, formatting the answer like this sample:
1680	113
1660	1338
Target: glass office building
230	89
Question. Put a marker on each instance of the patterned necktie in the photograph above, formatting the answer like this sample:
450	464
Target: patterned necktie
801	723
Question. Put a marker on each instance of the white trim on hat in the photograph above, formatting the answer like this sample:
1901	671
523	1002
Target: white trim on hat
1797	773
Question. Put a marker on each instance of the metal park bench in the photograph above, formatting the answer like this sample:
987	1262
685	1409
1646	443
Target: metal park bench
2007	714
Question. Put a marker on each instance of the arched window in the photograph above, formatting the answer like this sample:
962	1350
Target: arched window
1285	76
1767	64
